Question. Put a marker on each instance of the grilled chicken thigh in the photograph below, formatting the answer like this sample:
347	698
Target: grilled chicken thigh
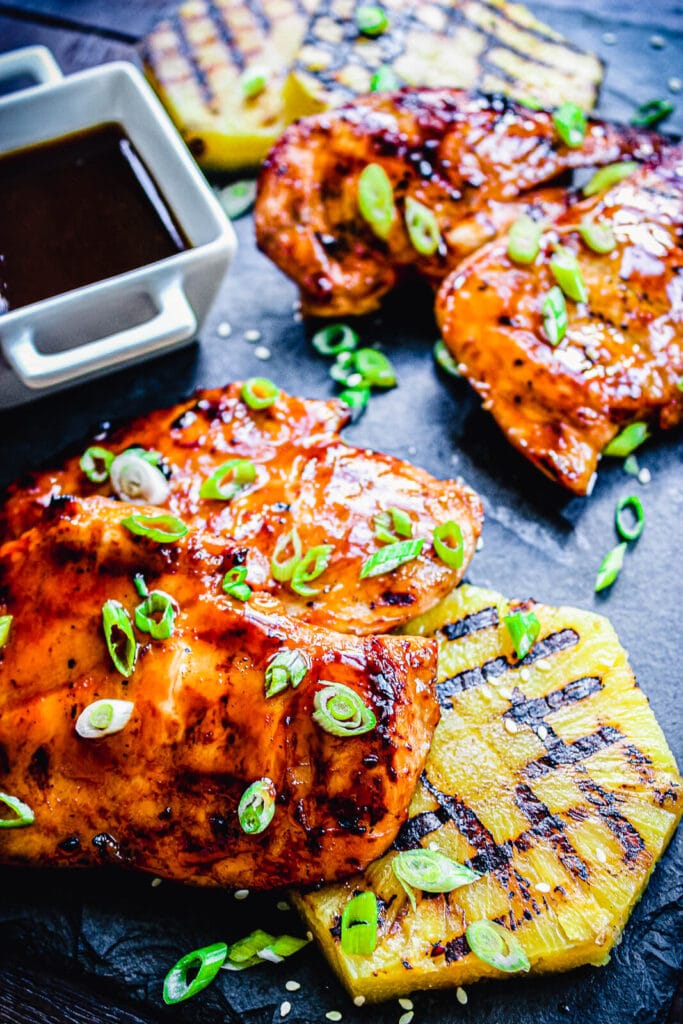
621	360
306	479
162	794
475	162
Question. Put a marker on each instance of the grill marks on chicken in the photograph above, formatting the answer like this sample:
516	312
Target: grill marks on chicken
162	794
476	162
307	479
622	357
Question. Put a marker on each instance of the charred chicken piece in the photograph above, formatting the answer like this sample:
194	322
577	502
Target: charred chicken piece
162	793
475	162
621	360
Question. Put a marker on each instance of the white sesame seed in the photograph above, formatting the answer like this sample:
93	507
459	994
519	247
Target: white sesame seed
542	887
542	732
224	330
674	85
412	450
505	692
406	1004
644	476
359	1000
510	725
282	905
241	894
333	1015
406	1018
296	304
252	335
354	380
657	42
480	544
285	1008
156	882
297	317
525	675
609	38
309	936
262	352
292	986
433	845
600	855
461	995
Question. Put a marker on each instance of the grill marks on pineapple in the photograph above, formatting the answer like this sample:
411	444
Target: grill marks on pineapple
470	624
605	803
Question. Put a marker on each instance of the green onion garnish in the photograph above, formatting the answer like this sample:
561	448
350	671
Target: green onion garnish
5	626
156	615
104	718
335	338
359	925
356	399
341	712
391	525
598	235
449	544
497	946
261	947
570	124
652	112
238	198
281	569
627	440
96	463
23	813
524	240
234	584
202	964
257	806
567	273
260	393
136	478
631	465
423	227
679	383
384	79
626	506
430	871
149	455
376	200
160	529
228	480
374	367
119	637
344	371
371	19
391	557
311	565
444	359
523	628
287	668
140	585
253	82
610	567
554	312
608	176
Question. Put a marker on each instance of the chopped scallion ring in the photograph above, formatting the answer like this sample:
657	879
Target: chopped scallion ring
237	198
335	338
630	438
570	124
359	925
260	393
261	947
136	479
343	370
96	463
5	626
430	871
625	506
523	628
444	359
356	399
104	718
384	79
375	369
312	564
119	637
554	312
203	964
371	19
257	807
156	615
423	227
376	200
23	813
566	271
287	668
228	480
598	235
234	584
160	529
524	240
608	176
281	569
449	544
140	585
253	81
610	567
391	525
497	946
391	557
341	712
652	112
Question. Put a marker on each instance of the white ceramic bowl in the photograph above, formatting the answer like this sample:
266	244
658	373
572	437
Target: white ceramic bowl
132	316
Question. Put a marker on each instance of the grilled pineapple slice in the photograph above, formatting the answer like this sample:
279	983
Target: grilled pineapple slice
549	776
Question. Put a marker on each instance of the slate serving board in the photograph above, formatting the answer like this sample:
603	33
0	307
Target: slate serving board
112	935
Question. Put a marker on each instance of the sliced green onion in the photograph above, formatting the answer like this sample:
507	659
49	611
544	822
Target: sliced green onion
286	668
631	465
608	176
567	273
384	79
253	81
625	506
610	567
530	102
523	628
444	359
156	615
96	463
335	338
5	626
234	583
652	112
140	585
344	371
371	19
228	480
149	455
161	529
554	312
430	871
203	964
376	200
391	557
392	524
627	440
237	198
281	569
261	947
356	399
119	637
598	235
341	712
497	946
679	383
104	718
257	806
359	924
423	227
136	479
374	367
311	565
570	124
23	813
524	239
449	544
260	393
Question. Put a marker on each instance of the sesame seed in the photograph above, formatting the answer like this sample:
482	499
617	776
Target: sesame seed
309	936
505	692
657	42
480	544
296	304
609	38
433	845
542	732
285	1008
262	352
674	85
406	1004
241	894
282	905
333	1015
252	335
297	317
412	450
510	725
461	995
359	1000
224	330
406	1018
354	380
601	856
542	887
292	986
156	882
525	675
644	476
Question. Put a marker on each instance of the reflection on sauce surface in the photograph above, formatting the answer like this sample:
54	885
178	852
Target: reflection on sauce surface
76	210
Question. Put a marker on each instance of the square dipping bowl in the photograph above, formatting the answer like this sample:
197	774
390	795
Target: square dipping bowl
137	314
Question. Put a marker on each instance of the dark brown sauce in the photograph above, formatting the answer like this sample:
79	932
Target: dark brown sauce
78	209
